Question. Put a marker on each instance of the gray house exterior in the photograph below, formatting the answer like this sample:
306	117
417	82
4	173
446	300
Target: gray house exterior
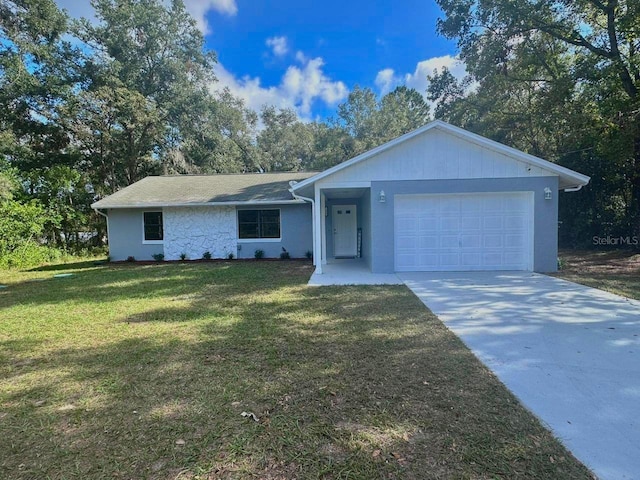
436	199
202	213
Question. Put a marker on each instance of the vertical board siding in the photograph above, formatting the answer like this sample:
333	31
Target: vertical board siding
436	155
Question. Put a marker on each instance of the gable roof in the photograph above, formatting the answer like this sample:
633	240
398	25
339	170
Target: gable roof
569	179
201	190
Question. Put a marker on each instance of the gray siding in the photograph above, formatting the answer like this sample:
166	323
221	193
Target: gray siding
545	253
295	232
365	207
125	235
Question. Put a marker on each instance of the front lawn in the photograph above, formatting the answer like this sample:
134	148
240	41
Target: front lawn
617	271
144	371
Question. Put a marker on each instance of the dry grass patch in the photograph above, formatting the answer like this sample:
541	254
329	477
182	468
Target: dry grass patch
144	371
616	271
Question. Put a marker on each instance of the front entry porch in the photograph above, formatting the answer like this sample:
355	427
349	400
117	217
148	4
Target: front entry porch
352	271
343	228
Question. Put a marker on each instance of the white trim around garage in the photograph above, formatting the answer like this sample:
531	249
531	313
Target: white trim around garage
432	232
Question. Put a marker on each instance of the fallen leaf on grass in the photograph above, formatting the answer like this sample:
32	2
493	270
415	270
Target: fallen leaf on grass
180	442
250	415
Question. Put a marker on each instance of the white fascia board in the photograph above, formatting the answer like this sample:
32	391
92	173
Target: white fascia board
575	177
569	177
200	204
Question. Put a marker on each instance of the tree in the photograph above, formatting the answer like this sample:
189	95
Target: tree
148	72
37	73
560	80
357	117
222	139
401	111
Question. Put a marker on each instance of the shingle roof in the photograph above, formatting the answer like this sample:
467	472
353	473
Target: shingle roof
186	190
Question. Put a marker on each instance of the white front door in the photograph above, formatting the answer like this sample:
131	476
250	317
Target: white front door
345	230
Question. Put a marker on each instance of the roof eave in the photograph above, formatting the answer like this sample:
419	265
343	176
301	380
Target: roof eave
572	177
98	206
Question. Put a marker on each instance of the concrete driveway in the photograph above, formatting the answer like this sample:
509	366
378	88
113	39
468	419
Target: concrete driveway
570	353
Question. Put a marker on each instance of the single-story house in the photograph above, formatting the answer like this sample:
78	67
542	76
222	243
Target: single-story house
439	198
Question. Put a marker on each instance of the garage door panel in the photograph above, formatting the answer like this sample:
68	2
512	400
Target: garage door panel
471	223
517	241
428	224
452	205
428	261
407	242
450	223
493	222
406	223
470	241
471	259
515	222
492	241
449	259
470	205
428	241
448	241
470	232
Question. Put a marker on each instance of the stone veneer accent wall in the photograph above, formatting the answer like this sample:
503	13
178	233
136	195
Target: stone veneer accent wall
195	230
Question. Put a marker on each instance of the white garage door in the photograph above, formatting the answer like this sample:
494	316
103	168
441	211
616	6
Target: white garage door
461	232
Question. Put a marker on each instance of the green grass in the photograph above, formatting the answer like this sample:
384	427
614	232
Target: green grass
143	372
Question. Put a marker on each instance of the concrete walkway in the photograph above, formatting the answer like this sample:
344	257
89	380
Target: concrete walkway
570	353
351	272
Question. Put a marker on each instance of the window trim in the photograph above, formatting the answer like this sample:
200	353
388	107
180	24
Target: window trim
258	240
152	242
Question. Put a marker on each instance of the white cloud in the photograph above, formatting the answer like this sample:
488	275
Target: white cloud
298	89
301	57
387	79
279	45
197	8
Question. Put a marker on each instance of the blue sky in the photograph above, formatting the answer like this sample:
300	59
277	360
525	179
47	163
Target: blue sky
308	55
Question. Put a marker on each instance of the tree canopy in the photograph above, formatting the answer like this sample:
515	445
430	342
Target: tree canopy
560	80
87	108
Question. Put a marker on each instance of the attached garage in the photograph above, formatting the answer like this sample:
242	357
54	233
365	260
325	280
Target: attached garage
460	232
441	198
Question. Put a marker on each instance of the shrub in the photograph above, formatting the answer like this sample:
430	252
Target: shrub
206	255
308	254
231	256
30	254
158	257
183	256
131	259
284	255
258	254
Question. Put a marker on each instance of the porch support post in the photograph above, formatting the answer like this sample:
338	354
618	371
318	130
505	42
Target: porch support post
317	230
323	224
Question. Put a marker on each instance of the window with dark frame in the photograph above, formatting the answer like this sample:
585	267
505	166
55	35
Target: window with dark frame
258	224
153	226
